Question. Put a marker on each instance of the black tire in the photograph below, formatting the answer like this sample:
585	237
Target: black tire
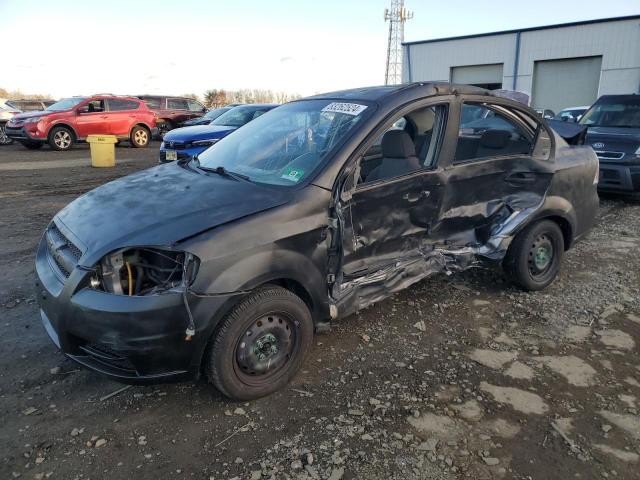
4	140
280	327
61	138
139	137
32	145
163	127
534	257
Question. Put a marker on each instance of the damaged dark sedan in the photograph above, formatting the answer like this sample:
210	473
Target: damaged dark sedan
226	264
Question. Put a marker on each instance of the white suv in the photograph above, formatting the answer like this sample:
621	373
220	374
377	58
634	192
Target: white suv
7	111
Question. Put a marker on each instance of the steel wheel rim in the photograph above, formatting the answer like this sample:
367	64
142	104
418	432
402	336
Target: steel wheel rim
265	348
62	139
140	137
541	255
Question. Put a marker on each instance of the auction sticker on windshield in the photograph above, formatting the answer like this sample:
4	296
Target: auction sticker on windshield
348	108
293	174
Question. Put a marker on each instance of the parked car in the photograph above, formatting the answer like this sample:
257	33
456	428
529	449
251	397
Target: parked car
613	124
188	141
572	114
30	105
172	111
70	120
7	112
228	262
545	112
207	118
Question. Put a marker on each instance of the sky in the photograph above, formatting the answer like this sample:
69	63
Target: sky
73	47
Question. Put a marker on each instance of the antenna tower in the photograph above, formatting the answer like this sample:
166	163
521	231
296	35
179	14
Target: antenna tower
397	15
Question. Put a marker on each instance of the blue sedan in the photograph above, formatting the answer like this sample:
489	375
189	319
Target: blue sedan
189	141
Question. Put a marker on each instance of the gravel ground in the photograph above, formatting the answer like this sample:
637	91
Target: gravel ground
456	377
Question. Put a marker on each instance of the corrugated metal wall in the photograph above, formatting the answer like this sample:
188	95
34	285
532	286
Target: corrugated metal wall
617	42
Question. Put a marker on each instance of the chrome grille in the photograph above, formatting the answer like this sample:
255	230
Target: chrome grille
610	155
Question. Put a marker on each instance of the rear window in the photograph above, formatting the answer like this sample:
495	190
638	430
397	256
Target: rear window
152	103
195	106
116	105
177	104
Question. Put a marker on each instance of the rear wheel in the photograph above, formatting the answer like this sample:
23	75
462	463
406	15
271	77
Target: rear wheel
61	138
533	259
139	137
4	140
32	145
260	345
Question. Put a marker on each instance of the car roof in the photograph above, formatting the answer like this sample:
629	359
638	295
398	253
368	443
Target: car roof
257	105
383	92
633	96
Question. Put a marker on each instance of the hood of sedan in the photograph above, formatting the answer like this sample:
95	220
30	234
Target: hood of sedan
160	206
198	132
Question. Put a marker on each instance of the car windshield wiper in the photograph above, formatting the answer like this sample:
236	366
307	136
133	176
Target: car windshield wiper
220	170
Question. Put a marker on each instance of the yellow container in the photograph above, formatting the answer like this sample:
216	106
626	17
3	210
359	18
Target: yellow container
103	150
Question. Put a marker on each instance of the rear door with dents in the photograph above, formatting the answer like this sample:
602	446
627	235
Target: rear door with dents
502	164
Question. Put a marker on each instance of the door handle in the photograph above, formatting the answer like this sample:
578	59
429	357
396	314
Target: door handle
104	116
520	178
412	198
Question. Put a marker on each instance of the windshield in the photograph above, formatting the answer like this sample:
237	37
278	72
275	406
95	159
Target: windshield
614	112
65	104
213	114
284	146
238	116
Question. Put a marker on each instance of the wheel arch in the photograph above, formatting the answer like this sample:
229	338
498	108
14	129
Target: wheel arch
66	125
139	124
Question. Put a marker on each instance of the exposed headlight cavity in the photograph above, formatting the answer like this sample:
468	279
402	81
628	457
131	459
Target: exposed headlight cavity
144	271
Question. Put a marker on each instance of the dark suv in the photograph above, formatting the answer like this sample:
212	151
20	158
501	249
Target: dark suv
613	124
172	111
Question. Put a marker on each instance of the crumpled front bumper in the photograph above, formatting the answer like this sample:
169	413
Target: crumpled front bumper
132	339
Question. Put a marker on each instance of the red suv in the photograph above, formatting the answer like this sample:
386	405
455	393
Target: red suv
70	120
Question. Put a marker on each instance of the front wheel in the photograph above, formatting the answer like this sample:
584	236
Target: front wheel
534	256
61	138
4	140
260	345
139	137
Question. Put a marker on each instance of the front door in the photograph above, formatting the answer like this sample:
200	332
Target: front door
389	214
92	118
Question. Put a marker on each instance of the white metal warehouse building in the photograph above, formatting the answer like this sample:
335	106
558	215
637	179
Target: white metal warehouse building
559	66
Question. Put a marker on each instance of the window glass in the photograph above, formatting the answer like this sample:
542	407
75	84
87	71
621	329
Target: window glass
284	146
238	116
177	104
615	111
411	143
93	106
485	133
116	104
195	106
65	104
153	103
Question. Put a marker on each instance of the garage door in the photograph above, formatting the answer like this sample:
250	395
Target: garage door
572	82
485	76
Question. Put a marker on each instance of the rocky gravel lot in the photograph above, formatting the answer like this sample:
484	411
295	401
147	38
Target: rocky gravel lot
456	377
